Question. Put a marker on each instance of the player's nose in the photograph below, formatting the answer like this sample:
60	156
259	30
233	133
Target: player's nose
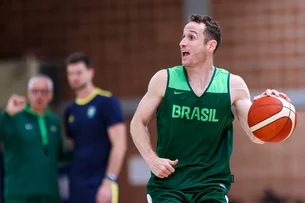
182	43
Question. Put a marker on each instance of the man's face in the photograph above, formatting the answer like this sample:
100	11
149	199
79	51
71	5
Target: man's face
193	48
79	75
40	94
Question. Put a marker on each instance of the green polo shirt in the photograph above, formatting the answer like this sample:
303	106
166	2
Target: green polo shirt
31	147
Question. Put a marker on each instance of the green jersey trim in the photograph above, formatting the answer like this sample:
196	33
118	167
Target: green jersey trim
178	80
210	83
228	88
219	83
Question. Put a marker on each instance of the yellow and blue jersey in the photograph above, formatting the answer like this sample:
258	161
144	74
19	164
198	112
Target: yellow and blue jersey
87	121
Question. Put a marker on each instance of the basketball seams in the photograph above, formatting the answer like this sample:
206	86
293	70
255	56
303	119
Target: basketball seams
283	118
276	101
268	120
292	118
287	118
261	106
292	109
258	104
270	123
257	107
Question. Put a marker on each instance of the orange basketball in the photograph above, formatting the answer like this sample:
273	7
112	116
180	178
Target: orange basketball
272	119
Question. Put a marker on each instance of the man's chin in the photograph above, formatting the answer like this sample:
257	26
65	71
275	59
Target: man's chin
78	88
40	106
185	63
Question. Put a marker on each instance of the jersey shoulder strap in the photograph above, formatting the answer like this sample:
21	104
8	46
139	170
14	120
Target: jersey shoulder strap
221	81
176	78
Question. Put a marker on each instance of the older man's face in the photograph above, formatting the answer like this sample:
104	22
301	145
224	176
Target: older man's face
40	94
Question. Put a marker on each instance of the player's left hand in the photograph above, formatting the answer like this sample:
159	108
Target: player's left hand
104	193
269	92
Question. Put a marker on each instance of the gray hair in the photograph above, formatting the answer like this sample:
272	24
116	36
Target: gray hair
41	76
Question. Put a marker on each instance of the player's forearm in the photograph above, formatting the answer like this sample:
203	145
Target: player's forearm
116	159
141	139
246	128
242	108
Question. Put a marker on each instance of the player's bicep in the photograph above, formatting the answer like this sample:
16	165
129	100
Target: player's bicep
152	99
241	98
242	103
242	107
147	108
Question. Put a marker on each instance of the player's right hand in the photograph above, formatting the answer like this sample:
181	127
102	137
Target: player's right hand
15	104
162	168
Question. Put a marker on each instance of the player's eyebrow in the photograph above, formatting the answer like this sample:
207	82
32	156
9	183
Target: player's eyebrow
192	31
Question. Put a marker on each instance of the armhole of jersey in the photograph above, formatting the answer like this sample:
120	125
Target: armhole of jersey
229	78
166	90
228	86
167	84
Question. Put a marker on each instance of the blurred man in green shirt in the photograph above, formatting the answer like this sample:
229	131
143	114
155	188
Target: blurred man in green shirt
31	138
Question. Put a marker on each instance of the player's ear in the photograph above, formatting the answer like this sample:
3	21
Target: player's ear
212	45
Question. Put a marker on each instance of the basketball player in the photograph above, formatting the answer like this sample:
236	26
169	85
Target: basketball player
194	121
95	122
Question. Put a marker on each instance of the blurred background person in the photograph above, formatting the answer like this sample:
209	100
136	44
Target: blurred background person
31	137
1	174
95	122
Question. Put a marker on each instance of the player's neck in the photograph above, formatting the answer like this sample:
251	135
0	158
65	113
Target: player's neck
201	70
85	92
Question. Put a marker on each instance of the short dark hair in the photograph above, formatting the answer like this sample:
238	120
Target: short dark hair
77	57
212	30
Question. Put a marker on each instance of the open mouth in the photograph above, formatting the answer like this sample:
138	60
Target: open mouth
185	53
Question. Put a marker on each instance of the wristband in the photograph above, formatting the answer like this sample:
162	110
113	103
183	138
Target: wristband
112	178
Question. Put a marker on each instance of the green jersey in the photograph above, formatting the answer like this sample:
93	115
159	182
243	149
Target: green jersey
31	145
196	130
